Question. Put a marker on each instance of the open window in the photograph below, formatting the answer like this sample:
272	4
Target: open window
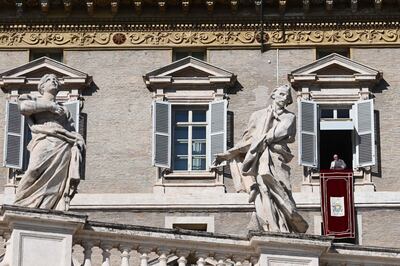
336	115
325	131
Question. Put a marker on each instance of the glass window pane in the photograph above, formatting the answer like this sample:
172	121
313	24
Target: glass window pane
181	116
181	148
198	163
180	55
343	113
199	116
181	133
199	148
326	113
180	163
199	133
199	55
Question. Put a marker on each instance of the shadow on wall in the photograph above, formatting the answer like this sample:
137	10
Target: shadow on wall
83	118
376	170
93	88
235	88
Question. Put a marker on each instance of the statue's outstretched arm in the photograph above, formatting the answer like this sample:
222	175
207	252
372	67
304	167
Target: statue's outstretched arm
29	106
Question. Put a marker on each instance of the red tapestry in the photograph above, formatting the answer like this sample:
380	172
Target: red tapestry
337	203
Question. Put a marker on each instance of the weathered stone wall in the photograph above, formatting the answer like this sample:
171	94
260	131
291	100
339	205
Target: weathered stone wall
258	74
226	222
119	124
380	227
387	103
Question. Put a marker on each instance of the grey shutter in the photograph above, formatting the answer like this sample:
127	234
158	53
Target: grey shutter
365	137
74	108
308	126
14	139
27	139
162	134
217	132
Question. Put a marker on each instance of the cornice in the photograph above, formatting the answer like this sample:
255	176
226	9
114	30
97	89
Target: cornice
204	35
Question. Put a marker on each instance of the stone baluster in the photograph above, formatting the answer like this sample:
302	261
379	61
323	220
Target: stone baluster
220	259
163	258
182	254
106	254
182	261
201	258
144	257
238	259
87	253
125	254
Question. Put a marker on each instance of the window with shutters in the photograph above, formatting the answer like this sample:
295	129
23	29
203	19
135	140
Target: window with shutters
336	116
187	137
190	117
24	80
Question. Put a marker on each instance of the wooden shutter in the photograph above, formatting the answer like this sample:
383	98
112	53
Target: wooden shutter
14	137
217	132
74	109
308	127
365	138
162	134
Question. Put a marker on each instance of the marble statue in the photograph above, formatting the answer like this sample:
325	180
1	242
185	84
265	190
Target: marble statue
55	150
258	165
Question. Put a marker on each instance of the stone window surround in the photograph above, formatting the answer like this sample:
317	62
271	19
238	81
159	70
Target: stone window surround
335	90
19	80
189	90
170	221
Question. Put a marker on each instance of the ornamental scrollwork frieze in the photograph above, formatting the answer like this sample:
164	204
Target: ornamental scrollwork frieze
159	38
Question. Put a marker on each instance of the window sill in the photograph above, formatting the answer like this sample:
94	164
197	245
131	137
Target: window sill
187	174
356	174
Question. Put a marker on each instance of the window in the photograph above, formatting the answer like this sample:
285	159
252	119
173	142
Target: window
190	120
349	133
332	113
190	138
182	53
17	133
187	137
198	223
322	52
53	54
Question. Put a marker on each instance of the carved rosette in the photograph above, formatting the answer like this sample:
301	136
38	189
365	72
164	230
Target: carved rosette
161	38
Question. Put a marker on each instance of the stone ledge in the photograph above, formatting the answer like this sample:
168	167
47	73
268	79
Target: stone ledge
227	201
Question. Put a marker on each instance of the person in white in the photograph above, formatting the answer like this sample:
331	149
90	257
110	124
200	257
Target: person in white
337	164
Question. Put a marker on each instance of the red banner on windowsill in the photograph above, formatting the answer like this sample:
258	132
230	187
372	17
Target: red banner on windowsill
337	203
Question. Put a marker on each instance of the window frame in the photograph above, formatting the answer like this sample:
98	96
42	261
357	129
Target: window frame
190	124
189	52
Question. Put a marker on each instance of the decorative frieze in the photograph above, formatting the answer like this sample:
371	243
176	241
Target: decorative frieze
48	38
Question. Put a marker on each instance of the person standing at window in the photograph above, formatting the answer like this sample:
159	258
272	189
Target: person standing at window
337	164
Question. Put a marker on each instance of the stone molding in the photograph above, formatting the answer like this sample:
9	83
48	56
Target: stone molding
155	36
225	202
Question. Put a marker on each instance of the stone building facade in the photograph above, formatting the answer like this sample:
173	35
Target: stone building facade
132	53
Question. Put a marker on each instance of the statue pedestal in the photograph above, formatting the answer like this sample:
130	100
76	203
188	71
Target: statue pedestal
38	237
279	249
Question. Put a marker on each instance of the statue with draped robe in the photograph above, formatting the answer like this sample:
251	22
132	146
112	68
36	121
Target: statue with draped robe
53	171
259	165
